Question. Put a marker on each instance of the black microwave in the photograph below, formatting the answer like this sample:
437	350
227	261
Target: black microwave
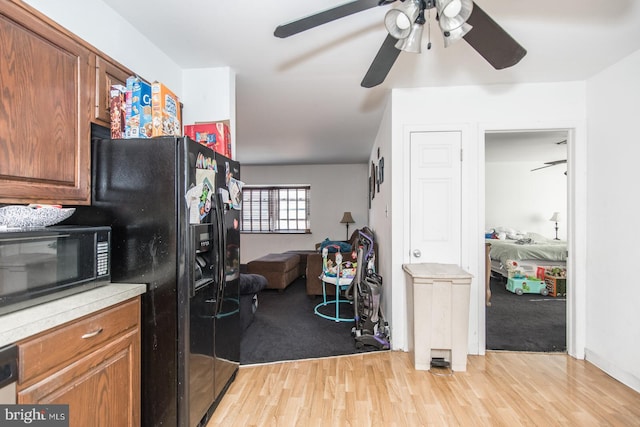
40	265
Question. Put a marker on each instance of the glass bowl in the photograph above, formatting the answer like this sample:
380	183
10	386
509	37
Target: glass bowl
27	217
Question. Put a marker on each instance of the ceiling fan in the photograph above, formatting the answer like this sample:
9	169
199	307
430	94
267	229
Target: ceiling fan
457	19
549	164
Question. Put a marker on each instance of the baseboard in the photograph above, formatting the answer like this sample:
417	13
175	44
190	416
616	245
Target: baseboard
611	369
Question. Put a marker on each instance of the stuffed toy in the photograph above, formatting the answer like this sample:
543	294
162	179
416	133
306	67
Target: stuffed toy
514	269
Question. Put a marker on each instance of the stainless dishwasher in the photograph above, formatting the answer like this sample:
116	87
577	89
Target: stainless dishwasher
8	374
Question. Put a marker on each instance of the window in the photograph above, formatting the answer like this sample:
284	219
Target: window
276	209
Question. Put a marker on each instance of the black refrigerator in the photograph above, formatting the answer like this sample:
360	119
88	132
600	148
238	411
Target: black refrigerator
174	208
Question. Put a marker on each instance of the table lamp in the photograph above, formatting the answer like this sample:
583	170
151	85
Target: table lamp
555	218
347	219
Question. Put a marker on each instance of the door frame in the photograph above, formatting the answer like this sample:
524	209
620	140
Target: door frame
576	232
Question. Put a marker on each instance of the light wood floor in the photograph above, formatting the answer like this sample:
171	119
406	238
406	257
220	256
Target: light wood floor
382	389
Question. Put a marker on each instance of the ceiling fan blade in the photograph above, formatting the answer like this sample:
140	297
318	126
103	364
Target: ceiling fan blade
541	167
382	63
491	41
549	164
329	15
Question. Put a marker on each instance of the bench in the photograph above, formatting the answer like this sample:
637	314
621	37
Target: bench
280	270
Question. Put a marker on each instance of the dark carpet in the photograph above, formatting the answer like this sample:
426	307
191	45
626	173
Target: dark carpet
529	322
286	328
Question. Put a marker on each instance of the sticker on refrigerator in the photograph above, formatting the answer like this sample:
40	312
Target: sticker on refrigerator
198	199
235	193
204	205
207	162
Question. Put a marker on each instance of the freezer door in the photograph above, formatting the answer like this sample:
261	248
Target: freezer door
201	353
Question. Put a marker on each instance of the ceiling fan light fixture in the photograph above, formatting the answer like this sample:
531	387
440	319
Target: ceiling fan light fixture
399	21
452	8
412	43
446	19
450	37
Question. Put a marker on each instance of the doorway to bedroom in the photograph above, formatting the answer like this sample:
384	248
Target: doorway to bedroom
526	230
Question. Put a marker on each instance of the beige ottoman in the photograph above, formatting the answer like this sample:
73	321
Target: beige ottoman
280	270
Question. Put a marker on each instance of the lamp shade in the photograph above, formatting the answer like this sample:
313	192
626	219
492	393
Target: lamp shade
399	20
555	217
347	218
412	43
448	19
453	36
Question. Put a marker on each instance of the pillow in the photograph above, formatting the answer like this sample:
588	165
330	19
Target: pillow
335	245
508	233
537	237
252	283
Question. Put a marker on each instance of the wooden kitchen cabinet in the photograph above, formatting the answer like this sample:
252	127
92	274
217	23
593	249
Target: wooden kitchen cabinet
45	110
108	73
92	364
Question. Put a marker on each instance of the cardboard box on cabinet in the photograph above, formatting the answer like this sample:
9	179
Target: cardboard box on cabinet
118	111
138	110
215	135
165	110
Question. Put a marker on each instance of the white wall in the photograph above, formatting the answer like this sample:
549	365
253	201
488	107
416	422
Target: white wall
517	198
613	297
478	109
334	190
102	27
380	214
206	94
209	95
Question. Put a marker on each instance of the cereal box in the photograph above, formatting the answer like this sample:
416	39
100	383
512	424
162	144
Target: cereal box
138	114
214	135
165	110
117	110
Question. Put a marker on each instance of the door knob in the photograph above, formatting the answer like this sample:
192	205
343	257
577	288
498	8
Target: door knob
417	253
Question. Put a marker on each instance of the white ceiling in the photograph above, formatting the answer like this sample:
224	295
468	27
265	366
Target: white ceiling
529	146
299	99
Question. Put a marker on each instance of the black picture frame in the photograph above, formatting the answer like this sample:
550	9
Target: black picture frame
373	180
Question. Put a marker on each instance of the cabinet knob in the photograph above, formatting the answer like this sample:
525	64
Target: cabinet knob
417	253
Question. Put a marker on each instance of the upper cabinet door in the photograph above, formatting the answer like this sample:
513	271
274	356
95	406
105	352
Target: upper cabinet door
45	110
107	74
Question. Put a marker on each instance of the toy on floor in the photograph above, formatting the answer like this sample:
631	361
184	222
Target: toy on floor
527	285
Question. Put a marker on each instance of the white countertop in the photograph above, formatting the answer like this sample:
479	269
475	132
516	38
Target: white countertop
33	320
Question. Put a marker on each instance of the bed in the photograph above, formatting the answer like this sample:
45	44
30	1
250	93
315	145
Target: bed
530	250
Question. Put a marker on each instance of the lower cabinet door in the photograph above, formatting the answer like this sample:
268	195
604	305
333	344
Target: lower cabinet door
101	389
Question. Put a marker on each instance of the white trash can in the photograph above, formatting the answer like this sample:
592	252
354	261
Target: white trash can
438	314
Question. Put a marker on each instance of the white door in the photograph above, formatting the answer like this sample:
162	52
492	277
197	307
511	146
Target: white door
435	197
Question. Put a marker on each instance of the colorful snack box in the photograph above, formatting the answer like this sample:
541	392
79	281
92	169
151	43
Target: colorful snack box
165	111
138	114
118	111
214	135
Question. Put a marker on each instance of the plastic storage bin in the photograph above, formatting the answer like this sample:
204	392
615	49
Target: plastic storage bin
438	308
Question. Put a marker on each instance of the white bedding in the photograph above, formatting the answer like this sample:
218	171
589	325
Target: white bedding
536	251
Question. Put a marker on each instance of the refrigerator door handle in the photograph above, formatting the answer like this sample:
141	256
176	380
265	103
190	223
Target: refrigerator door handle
222	246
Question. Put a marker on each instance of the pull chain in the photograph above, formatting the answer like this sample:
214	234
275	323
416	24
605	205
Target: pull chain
429	30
